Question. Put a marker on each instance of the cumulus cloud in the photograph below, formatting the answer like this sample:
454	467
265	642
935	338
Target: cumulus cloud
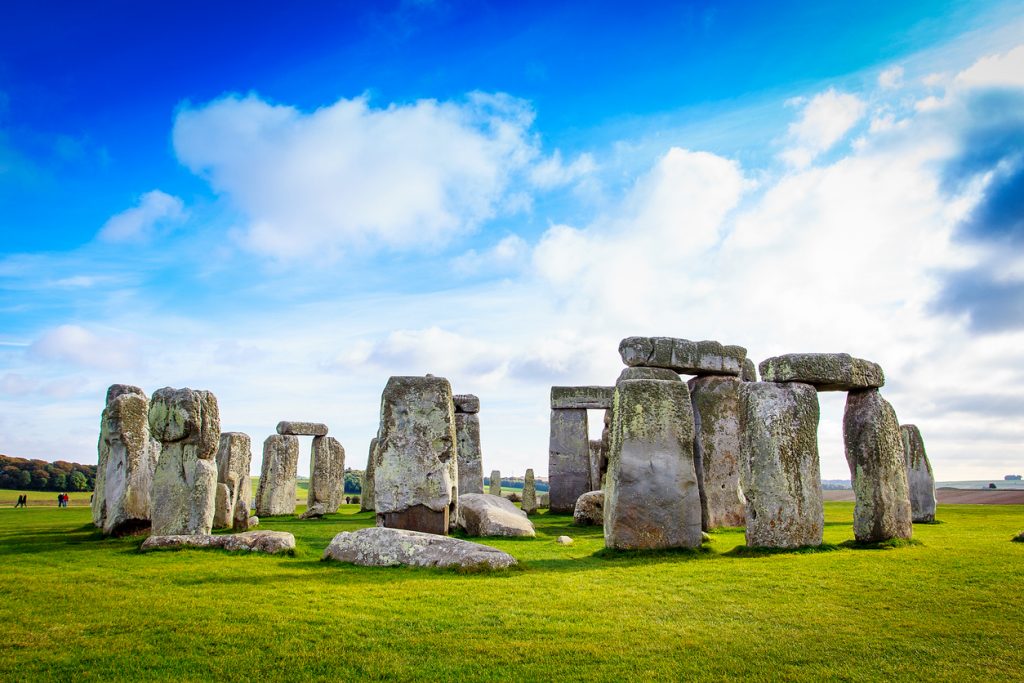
824	120
552	172
508	255
891	78
77	346
155	211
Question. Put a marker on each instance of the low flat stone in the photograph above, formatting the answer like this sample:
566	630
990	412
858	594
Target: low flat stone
383	547
481	514
286	428
466	403
682	355
663	374
823	371
589	509
564	540
270	542
586	398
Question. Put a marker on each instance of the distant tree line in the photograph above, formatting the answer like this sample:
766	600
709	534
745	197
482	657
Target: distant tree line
353	481
39	475
517	483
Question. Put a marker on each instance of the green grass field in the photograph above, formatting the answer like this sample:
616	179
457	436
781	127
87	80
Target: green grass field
78	606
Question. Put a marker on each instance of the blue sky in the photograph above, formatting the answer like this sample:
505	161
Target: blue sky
286	207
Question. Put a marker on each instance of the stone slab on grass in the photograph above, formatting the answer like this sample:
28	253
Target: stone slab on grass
382	547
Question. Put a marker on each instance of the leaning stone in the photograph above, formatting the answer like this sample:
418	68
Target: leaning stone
920	479
494	486
563	540
648	373
382	547
326	477
717	449
651	497
278	477
234	488
481	514
529	503
592	398
568	459
466	403
682	355
366	490
874	452
187	424
824	371
286	428
749	371
471	467
589	509
270	542
781	475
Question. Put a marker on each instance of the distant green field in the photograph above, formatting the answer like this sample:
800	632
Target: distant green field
77	606
8	497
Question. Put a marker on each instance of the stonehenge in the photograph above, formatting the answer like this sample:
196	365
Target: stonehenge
920	480
366	491
383	547
467	434
234	488
326	477
824	371
574	467
286	428
718	452
278	476
589	509
683	356
482	514
494	483
529	503
269	542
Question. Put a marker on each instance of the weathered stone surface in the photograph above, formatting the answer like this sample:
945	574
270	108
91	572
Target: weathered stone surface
648	373
275	494
717	450
270	542
564	540
592	398
481	514
682	355
529	502
874	452
417	463
589	509
494	483
466	403
544	501
471	466
366	491
780	471
115	390
286	428
651	494
598	463
234	455
920	479
749	370
326	477
187	424
568	459
381	547
824	371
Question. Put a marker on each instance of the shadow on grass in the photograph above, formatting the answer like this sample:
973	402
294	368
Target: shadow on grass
755	551
891	544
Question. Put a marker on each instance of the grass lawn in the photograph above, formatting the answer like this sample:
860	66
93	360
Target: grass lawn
77	606
8	497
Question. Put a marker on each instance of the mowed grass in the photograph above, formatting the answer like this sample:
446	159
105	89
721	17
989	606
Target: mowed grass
8	497
77	606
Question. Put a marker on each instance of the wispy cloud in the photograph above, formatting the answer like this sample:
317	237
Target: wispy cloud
155	211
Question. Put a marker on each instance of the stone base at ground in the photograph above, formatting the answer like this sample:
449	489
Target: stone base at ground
416	518
481	514
270	542
589	509
381	547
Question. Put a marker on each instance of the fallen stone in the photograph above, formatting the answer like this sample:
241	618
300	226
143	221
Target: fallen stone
717	449
874	452
648	373
682	355
780	471
529	502
823	371
481	514
466	403
275	494
749	370
366	490
920	479
592	398
382	547
564	540
234	488
589	509
286	428
270	542
326	477
471	467
568	459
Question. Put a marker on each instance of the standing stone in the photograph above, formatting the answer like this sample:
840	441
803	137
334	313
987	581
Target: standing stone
416	476
187	424
717	449
326	477
366	491
568	459
749	371
781	475
529	503
494	488
127	461
471	468
279	476
234	454
874	452
651	495
596	463
920	480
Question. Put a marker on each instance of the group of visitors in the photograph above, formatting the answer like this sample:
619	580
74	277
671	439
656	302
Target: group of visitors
22	501
62	500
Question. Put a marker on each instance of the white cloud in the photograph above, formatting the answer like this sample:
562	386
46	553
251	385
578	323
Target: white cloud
552	172
995	71
154	211
825	120
509	254
891	78
75	345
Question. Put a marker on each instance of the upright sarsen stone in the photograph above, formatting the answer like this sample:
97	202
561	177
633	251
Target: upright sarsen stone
920	479
326	477
494	483
874	452
471	467
529	503
187	424
717	449
278	476
651	496
568	459
598	464
234	488
780	471
366	491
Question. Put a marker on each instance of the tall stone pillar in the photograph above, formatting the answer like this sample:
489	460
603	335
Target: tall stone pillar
279	476
467	434
920	479
234	455
326	477
568	459
366	491
717	449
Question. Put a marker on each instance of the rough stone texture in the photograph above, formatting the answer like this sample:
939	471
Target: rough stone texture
920	479
381	547
598	463
471	466
648	373
544	501
466	403
494	483
128	456
781	474
286	428
874	452
593	398
651	495
717	452
589	509
187	424
270	542
682	355
529	502
568	459
563	540
749	371
326	477
366	490
481	514
234	455
278	477
824	371
417	463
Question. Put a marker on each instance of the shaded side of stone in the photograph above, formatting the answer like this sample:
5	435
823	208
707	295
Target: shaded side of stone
466	403
589	509
471	466
366	490
718	451
640	372
749	371
568	459
920	479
